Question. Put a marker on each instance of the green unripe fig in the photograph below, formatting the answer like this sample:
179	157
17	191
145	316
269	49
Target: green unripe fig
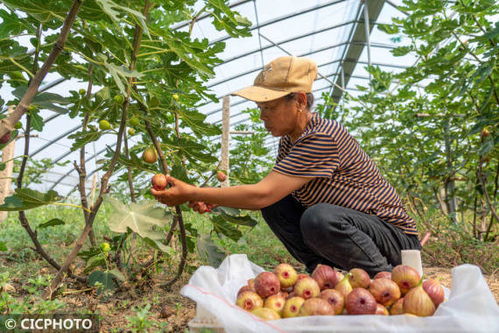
175	97
131	131
104	125
18	125
119	99
105	247
134	121
82	92
32	107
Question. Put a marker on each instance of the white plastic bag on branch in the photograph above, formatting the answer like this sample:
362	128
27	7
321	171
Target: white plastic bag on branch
470	307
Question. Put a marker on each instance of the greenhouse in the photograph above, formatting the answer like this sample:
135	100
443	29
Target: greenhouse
182	165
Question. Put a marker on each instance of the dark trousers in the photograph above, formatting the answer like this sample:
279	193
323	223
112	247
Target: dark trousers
337	236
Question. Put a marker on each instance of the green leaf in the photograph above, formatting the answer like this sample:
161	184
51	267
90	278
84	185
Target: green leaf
221	226
3	246
44	100
209	252
51	223
36	120
11	24
106	279
401	51
146	219
95	261
25	199
117	274
108	7
390	29
84	137
240	219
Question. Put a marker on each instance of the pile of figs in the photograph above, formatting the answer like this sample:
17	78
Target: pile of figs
283	293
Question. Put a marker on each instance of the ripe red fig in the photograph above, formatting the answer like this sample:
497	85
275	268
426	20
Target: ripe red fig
435	291
359	278
266	314
159	182
405	277
307	288
335	299
344	286
316	307
249	300
4	139
325	276
386	275
292	307
385	291
275	302
417	302
267	284
244	288
287	275
221	176
398	307
360	301
301	276
381	310
251	284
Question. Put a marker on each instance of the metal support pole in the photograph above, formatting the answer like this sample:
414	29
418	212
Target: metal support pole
224	163
368	41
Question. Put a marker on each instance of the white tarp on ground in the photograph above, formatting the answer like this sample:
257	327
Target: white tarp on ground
471	306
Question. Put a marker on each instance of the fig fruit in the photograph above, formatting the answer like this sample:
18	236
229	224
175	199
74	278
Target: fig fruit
267	284
381	310
398	307
159	182
325	276
386	275
104	125
176	97
266	313
150	155
316	307
119	99
134	121
405	277
292	307
344	286
131	131
4	139
82	91
275	302
307	288
249	300
385	291
417	302
359	278
286	274
221	176
244	288
18	125
335	299
435	291
360	301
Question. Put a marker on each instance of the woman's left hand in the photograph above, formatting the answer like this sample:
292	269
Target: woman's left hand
178	192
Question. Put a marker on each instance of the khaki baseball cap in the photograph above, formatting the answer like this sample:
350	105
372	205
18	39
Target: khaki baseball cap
281	77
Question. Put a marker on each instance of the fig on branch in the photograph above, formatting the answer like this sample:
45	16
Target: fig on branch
150	155
221	176
176	97
134	121
159	182
104	125
18	125
82	92
4	139
119	99
131	131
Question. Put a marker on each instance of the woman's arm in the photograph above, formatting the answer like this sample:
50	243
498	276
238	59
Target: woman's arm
270	189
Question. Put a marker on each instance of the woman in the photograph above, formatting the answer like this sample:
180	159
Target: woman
325	199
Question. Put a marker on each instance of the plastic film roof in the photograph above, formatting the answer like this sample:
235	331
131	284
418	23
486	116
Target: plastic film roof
330	32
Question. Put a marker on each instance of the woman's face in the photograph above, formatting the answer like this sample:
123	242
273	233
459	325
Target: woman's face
279	116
